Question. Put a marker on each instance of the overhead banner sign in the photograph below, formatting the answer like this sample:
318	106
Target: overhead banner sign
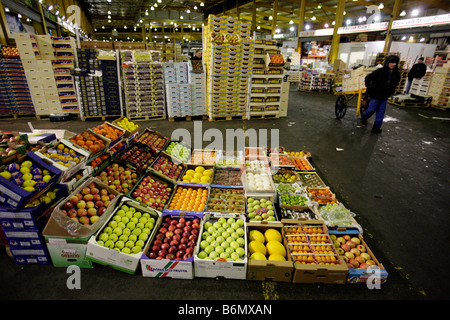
380	26
421	22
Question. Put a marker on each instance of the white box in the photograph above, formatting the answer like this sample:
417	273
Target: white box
208	268
127	263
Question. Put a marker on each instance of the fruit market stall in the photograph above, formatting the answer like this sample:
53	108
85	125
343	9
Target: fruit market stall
134	200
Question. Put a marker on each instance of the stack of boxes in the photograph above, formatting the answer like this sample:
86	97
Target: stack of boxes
267	80
143	85
185	87
15	96
312	81
229	50
98	84
162	52
421	86
440	87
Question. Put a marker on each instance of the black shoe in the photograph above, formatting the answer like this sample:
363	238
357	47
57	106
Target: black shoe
375	130
364	121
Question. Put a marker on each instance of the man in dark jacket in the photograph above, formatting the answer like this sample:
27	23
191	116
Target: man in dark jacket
417	72
381	84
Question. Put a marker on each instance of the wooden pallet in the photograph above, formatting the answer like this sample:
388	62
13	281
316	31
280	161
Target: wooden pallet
13	116
439	107
313	90
199	117
264	116
227	118
102	117
146	118
410	104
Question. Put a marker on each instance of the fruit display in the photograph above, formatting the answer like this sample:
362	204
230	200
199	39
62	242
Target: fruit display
302	164
254	153
64	155
227	177
176	238
28	175
256	165
140	157
46	198
310	244
109	132
336	215
153	192
301	154
165	166
189	199
88	204
207	157
353	251
267	245
289	188
99	160
178	150
311	180
223	239
119	177
118	147
285	176
198	174
127	124
276	59
153	139
229	159
293	201
89	141
7	138
305	214
278	160
9	51
260	209
127	231
226	200
321	195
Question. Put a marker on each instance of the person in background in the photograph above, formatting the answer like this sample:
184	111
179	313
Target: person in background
287	64
197	55
417	72
381	84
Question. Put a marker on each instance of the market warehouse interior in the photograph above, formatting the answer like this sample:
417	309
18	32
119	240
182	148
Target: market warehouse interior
226	146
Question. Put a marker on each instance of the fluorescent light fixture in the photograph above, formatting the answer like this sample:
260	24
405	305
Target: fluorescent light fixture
422	39
202	4
6	9
403	13
57	13
381	6
415	12
292	28
291	22
313	18
50	7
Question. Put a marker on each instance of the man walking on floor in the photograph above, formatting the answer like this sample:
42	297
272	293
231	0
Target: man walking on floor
381	84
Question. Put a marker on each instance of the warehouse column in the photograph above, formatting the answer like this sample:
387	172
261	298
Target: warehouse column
336	37
254	16
301	22
394	16
44	25
274	16
238	10
4	29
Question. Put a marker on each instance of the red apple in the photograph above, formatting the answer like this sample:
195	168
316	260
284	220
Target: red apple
84	220
74	200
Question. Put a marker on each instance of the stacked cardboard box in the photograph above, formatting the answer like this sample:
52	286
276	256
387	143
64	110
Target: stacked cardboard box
421	86
229	50
440	87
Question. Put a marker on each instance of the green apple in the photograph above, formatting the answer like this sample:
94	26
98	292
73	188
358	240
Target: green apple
225	234
240	222
125	220
210	239
137	231
240	232
100	243
213	255
140	243
126	231
119	244
123	238
112	224
221	220
131	225
204	244
234	256
231	220
205	235
117	219
234	245
126	250
103	237
143	237
121	225
113	237
137	214
134	220
136	249
140	225
147	231
132	237
240	251
109	244
220	239
219	249
118	231
149	225
121	213
225	244
230	250
224	255
129	244
209	249
207	225
241	241
230	239
202	255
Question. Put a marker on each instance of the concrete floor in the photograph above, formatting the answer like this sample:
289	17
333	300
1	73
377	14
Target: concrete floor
396	182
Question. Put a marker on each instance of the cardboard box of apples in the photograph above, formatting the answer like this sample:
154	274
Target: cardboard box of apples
362	264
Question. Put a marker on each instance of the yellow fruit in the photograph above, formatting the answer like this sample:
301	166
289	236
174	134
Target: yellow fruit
195	180
256	246
276	257
257	256
276	247
199	169
198	175
256	235
190	172
187	178
208	173
204	179
272	235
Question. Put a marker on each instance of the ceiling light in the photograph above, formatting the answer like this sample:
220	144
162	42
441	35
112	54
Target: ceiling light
403	13
124	27
319	6
109	17
377	18
146	12
63	17
422	39
404	38
6	9
109	21
19	16
201	4
140	21
313	18
155	5
181	17
415	12
381	6
108	1
103	27
348	21
333	22
195	8
50	7
292	29
326	25
109	12
345	12
152	8
411	38
57	13
258	27
159	1
307	27
95	30
270	18
291	22
188	11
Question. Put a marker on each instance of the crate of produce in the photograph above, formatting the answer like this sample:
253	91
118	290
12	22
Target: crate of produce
171	253
179	150
301	215
131	127
125	237
91	142
285	187
35	214
120	176
229	159
281	161
139	156
294	201
311	180
260	208
258	181
227	177
203	157
65	156
153	191
215	257
23	256
168	167
302	164
201	175
285	176
299	154
268	254
111	132
321	196
338	217
188	200
153	139
26	180
363	266
226	200
313	253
